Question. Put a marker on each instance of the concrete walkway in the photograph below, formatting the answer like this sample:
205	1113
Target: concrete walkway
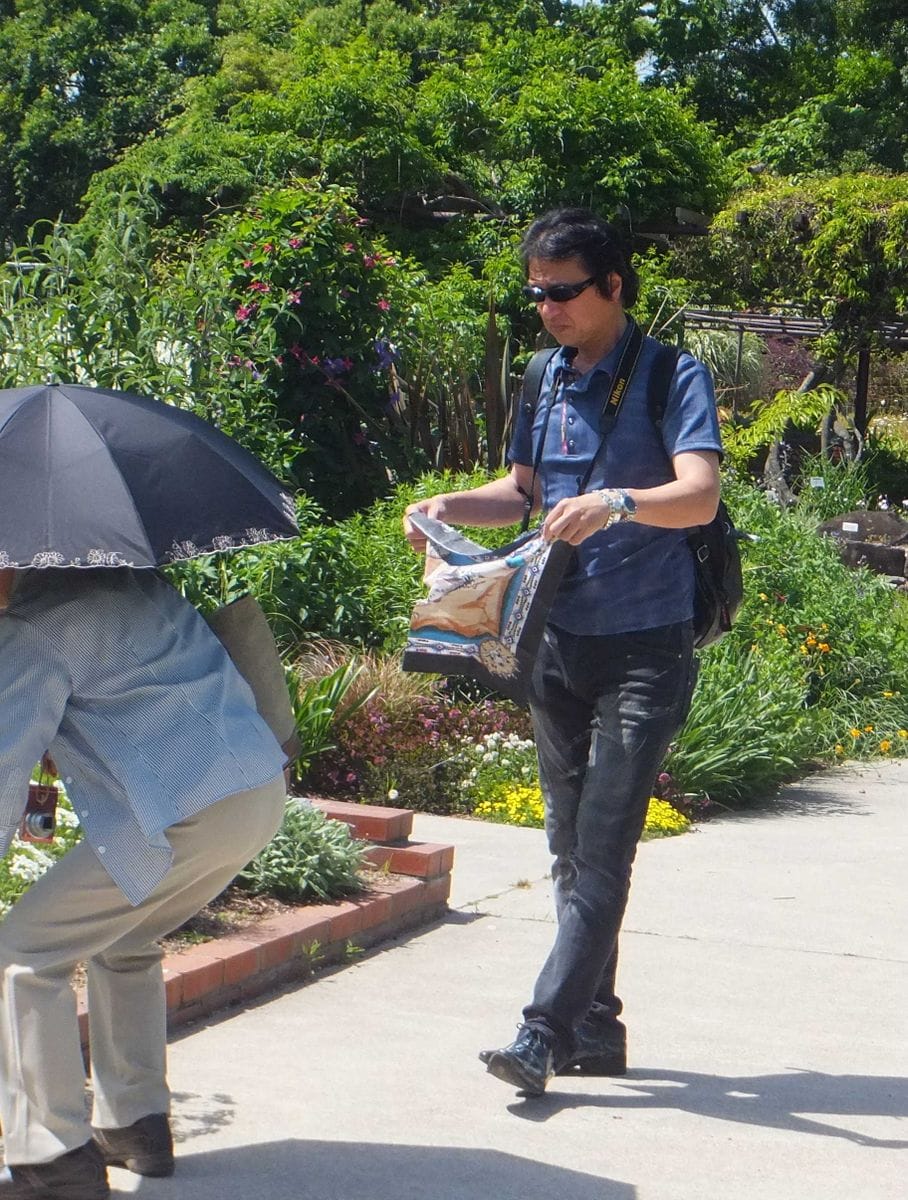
765	978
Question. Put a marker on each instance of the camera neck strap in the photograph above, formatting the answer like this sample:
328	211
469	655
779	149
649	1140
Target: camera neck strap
608	415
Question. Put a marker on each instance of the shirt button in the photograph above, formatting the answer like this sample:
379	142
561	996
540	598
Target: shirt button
83	812
102	849
571	447
570	420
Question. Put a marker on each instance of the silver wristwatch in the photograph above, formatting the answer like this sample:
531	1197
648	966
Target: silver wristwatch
620	505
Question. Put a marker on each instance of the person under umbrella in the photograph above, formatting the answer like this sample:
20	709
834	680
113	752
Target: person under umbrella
177	782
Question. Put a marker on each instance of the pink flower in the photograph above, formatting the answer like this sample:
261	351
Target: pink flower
384	305
268	247
349	247
370	261
247	263
295	243
294	297
245	311
258	285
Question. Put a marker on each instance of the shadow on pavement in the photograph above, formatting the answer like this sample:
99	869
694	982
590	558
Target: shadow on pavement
294	1170
773	1101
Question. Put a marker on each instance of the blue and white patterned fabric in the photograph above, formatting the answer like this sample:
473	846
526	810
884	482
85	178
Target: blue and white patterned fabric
139	705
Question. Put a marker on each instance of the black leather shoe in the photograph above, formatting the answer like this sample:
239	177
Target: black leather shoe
80	1174
528	1063
146	1147
598	1050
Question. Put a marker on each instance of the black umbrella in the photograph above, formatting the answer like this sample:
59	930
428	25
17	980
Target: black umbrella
96	477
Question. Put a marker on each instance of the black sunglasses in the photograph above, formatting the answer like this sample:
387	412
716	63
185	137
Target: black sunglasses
559	292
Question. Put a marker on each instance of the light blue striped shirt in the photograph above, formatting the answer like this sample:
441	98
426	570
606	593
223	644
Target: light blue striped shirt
139	705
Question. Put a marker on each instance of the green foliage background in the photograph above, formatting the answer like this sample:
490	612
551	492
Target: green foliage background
300	219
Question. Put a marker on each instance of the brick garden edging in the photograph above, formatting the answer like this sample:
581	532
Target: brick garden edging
262	957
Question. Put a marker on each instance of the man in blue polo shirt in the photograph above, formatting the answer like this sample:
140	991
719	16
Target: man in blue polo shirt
613	681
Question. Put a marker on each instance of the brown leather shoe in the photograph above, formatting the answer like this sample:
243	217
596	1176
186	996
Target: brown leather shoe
80	1174
145	1147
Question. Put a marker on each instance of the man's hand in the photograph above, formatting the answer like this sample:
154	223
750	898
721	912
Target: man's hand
576	518
432	507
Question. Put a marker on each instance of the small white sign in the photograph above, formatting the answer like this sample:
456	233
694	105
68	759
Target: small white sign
817	481
850	527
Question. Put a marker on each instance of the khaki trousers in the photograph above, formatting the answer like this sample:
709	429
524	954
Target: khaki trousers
76	913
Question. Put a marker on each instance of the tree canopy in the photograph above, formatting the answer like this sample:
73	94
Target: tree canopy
390	152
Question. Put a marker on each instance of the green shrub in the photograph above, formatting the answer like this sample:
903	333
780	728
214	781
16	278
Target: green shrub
309	856
815	662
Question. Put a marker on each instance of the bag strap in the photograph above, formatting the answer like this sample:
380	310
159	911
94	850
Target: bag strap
659	384
533	377
532	390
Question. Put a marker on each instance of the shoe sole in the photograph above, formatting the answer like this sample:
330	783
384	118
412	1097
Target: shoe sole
509	1071
595	1064
152	1167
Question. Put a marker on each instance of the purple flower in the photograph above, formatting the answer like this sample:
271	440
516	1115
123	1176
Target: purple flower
386	352
337	366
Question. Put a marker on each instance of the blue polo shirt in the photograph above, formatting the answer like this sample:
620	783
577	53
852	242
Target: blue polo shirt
632	576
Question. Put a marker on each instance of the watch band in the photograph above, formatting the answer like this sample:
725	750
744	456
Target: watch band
620	505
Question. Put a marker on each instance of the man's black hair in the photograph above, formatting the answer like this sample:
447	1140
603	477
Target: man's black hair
566	233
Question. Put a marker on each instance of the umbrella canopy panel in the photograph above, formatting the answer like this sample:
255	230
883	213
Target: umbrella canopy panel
94	477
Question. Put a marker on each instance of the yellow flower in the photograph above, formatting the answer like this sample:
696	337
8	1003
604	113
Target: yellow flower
885	745
855	733
811	639
839	748
763	596
823	647
663	820
868	729
903	733
888	695
782	630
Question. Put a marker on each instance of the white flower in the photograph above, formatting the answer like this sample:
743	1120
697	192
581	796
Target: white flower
393	793
24	866
66	818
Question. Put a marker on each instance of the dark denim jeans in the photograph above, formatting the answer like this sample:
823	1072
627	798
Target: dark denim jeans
604	711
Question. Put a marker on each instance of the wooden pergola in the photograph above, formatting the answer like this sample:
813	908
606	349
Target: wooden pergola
893	335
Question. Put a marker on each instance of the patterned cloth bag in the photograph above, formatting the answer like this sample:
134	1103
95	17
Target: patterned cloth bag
486	609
